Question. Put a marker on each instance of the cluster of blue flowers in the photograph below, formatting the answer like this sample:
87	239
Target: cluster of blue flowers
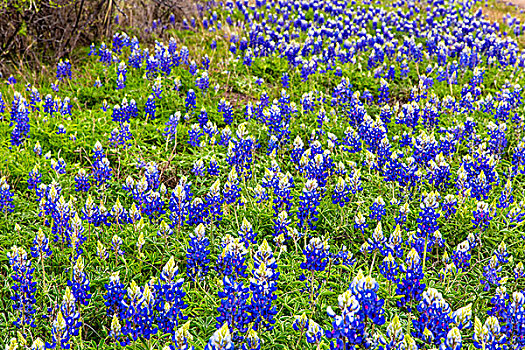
247	197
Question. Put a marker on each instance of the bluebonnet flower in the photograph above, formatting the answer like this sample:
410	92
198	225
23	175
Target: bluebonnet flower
59	166
198	168
71	316
462	254
116	244
435	318
343	256
281	225
317	164
232	261
195	133
226	109
376	243
59	333
506	198
251	341
489	335
197	254
170	131
453	340
169	298
179	204
197	212
365	290
119	114
139	315
518	158
439	174
297	151
102	172
104	106
34	102
234	309
157	88
49	105
395	338
164	230
260	194
519	271
482	215
285	80
114	297
501	253
203	82
2	102
360	223
152	66
314	332
427	223
6	196
35	178
490	274
221	339
193	67
190	101
498	139
300	323
213	168
308	203
82	181
410	286
37	149
203	117
263	286
341	191
354	182
214	203
121	137
121	80
316	258
226	136
11	80
75	234
246	233
449	206
24	288
515	215
240	152
54	87
116	331
348	328
377	209
102	253
90	211
389	268
394	243
40	249
79	283
19	119
211	130
383	92
150	107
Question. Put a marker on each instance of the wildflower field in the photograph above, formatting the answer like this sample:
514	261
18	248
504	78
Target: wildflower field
271	175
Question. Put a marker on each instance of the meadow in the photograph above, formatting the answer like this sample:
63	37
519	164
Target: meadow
271	175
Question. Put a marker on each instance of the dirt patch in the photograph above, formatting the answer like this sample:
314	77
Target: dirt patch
518	3
237	99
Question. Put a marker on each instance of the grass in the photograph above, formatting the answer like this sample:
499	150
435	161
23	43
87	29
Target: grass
236	82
